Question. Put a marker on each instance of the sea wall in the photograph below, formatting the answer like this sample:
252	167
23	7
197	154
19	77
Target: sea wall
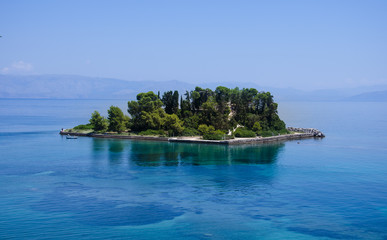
239	141
297	135
315	132
134	137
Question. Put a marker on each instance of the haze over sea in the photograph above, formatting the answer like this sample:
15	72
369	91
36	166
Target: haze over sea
55	188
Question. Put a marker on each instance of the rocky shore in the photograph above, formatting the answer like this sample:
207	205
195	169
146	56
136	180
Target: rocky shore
299	133
315	132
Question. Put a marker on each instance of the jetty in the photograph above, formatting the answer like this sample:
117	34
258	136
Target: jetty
299	133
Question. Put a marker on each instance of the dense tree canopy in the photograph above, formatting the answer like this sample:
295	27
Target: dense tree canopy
222	109
198	111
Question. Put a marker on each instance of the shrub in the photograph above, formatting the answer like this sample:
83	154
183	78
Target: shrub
244	133
152	132
215	135
267	133
173	124
204	129
284	131
257	128
190	132
84	127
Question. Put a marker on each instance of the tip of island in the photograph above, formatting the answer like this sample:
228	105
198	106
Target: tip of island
222	116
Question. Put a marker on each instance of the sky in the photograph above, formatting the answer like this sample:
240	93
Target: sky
300	44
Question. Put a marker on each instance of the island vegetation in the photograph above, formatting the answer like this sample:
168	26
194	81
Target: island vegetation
220	114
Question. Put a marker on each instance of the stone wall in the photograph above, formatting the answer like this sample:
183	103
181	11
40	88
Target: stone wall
315	132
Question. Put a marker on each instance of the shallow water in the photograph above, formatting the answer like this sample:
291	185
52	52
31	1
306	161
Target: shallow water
56	188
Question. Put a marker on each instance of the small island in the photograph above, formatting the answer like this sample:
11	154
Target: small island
222	116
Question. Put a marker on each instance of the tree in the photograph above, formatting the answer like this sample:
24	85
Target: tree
152	120
185	106
99	123
175	106
173	123
171	102
116	119
222	95
146	111
221	109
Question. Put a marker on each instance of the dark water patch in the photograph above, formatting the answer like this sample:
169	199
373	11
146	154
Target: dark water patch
260	217
164	154
320	233
27	133
188	154
116	146
256	154
103	206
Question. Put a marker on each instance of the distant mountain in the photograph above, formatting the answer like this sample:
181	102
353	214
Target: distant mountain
377	96
80	87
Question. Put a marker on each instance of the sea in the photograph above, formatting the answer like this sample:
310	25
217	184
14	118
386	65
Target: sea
57	188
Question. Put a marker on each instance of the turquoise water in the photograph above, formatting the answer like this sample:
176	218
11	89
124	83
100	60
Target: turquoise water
55	188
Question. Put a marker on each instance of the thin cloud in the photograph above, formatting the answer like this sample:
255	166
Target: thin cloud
18	67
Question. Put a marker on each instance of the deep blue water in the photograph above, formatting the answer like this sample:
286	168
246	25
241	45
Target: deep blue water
54	188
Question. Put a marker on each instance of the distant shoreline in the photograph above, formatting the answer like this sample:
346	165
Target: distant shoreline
236	141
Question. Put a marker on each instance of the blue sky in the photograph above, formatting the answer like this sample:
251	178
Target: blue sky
300	44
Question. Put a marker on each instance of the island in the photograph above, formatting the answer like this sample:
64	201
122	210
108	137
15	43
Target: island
222	116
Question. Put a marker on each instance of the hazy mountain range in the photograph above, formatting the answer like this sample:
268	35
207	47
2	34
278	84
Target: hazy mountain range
80	87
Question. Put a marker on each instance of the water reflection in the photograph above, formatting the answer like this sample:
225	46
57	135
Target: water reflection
116	150
148	153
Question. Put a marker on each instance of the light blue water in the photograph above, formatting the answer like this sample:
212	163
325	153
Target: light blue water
54	188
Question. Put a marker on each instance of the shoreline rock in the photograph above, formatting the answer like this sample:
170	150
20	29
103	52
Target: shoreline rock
315	132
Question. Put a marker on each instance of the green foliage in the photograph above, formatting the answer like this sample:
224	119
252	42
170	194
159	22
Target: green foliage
209	112
257	128
283	131
222	95
244	133
98	122
185	106
147	102
192	121
222	109
209	132
116	120
146	112
204	129
214	135
128	123
190	132
151	132
251	119
84	127
171	102
277	123
267	134
152	120
173	123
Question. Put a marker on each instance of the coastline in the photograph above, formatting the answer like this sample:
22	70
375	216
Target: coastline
302	134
